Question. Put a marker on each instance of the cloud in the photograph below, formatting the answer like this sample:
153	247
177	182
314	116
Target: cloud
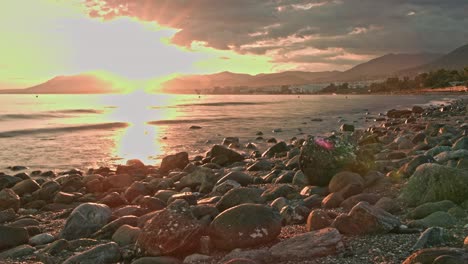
278	27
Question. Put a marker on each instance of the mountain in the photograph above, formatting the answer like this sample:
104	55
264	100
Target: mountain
386	66
189	83
76	84
455	60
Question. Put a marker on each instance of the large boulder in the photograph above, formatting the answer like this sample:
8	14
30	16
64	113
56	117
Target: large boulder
323	242
433	182
322	158
245	225
9	199
25	186
176	161
366	219
170	231
86	219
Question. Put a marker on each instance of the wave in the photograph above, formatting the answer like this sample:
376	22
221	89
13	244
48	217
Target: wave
189	121
103	126
49	114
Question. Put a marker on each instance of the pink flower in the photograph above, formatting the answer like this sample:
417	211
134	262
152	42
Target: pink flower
324	143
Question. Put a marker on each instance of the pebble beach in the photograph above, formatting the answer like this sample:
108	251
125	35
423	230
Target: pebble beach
394	192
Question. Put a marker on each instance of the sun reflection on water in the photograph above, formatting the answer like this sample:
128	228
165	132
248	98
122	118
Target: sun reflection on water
141	140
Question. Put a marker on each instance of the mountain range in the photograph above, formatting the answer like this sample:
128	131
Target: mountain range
379	68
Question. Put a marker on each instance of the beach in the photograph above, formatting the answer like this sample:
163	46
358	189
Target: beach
388	188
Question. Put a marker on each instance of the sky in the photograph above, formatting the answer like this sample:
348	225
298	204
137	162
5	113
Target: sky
146	39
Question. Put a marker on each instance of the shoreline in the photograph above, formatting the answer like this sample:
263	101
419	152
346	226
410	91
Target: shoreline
135	191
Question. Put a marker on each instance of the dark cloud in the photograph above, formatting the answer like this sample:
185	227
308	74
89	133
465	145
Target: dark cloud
281	28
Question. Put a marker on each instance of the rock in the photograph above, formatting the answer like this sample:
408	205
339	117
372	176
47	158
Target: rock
431	237
230	156
347	128
41	239
365	219
399	113
126	235
279	147
299	179
333	200
195	127
108	230
225	187
7	181
135	190
203	178
85	219
253	255
113	199
433	182
176	161
7	215
120	181
293	215
388	204
426	209
64	198
173	230
240	196
237	176
286	191
9	199
343	179
429	255
440	219
261	165
417	109
320	243
322	158
48	190
408	169
197	258
350	202
157	260
25	186
461	143
151	203
17	252
106	253
12	236
451	155
25	222
244	226
318	219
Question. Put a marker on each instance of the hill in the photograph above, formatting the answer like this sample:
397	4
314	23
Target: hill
455	60
75	84
385	66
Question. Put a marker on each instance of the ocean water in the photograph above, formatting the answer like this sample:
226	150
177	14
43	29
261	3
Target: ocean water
82	131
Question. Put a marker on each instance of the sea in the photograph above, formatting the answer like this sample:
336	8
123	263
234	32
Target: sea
60	132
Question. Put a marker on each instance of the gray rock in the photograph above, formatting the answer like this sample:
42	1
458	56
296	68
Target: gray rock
176	161
25	186
157	260
106	253
240	196
12	236
202	178
244	226
85	220
320	243
451	155
41	239
426	209
17	252
461	143
433	182
431	237
9	199
261	165
108	230
277	148
237	176
229	156
366	219
429	255
343	179
440	219
173	230
257	255
126	235
7	215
